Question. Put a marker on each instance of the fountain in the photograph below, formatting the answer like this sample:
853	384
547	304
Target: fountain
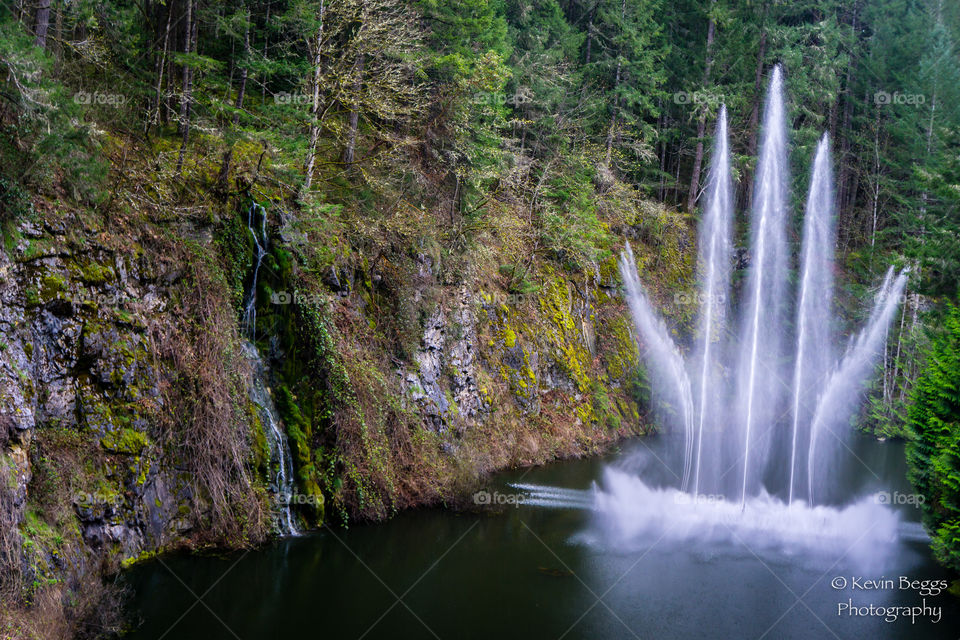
670	379
759	392
814	351
715	247
783	437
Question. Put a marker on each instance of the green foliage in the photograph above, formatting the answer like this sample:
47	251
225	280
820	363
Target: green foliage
934	449
49	148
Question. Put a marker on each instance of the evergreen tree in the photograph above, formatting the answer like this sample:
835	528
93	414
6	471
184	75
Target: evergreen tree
934	449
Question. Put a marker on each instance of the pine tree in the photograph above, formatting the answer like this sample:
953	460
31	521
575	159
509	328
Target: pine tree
934	449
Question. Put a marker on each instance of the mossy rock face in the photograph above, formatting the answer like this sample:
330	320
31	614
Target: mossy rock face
93	273
619	349
299	431
563	334
125	440
52	285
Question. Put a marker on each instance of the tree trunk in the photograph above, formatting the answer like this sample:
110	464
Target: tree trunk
844	146
754	124
224	176
42	23
661	124
876	181
314	106
616	87
187	85
266	45
613	116
349	149
701	124
154	114
593	12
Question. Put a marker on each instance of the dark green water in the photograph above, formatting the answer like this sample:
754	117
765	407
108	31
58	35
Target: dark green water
525	573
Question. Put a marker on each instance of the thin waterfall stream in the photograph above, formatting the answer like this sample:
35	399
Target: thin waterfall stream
281	460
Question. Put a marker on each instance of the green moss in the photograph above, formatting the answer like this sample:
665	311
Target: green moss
568	348
94	273
140	467
452	403
32	296
261	450
298	431
125	440
51	285
144	555
620	349
509	338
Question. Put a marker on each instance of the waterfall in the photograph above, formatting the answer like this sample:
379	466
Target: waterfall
824	394
249	323
759	391
715	249
814	338
281	461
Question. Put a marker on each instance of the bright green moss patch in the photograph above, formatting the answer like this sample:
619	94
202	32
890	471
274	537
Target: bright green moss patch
125	440
51	285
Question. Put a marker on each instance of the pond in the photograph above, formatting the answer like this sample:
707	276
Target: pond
552	570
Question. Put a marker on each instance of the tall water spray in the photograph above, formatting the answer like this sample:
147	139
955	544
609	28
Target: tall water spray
845	384
814	354
715	254
759	370
670	378
824	392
